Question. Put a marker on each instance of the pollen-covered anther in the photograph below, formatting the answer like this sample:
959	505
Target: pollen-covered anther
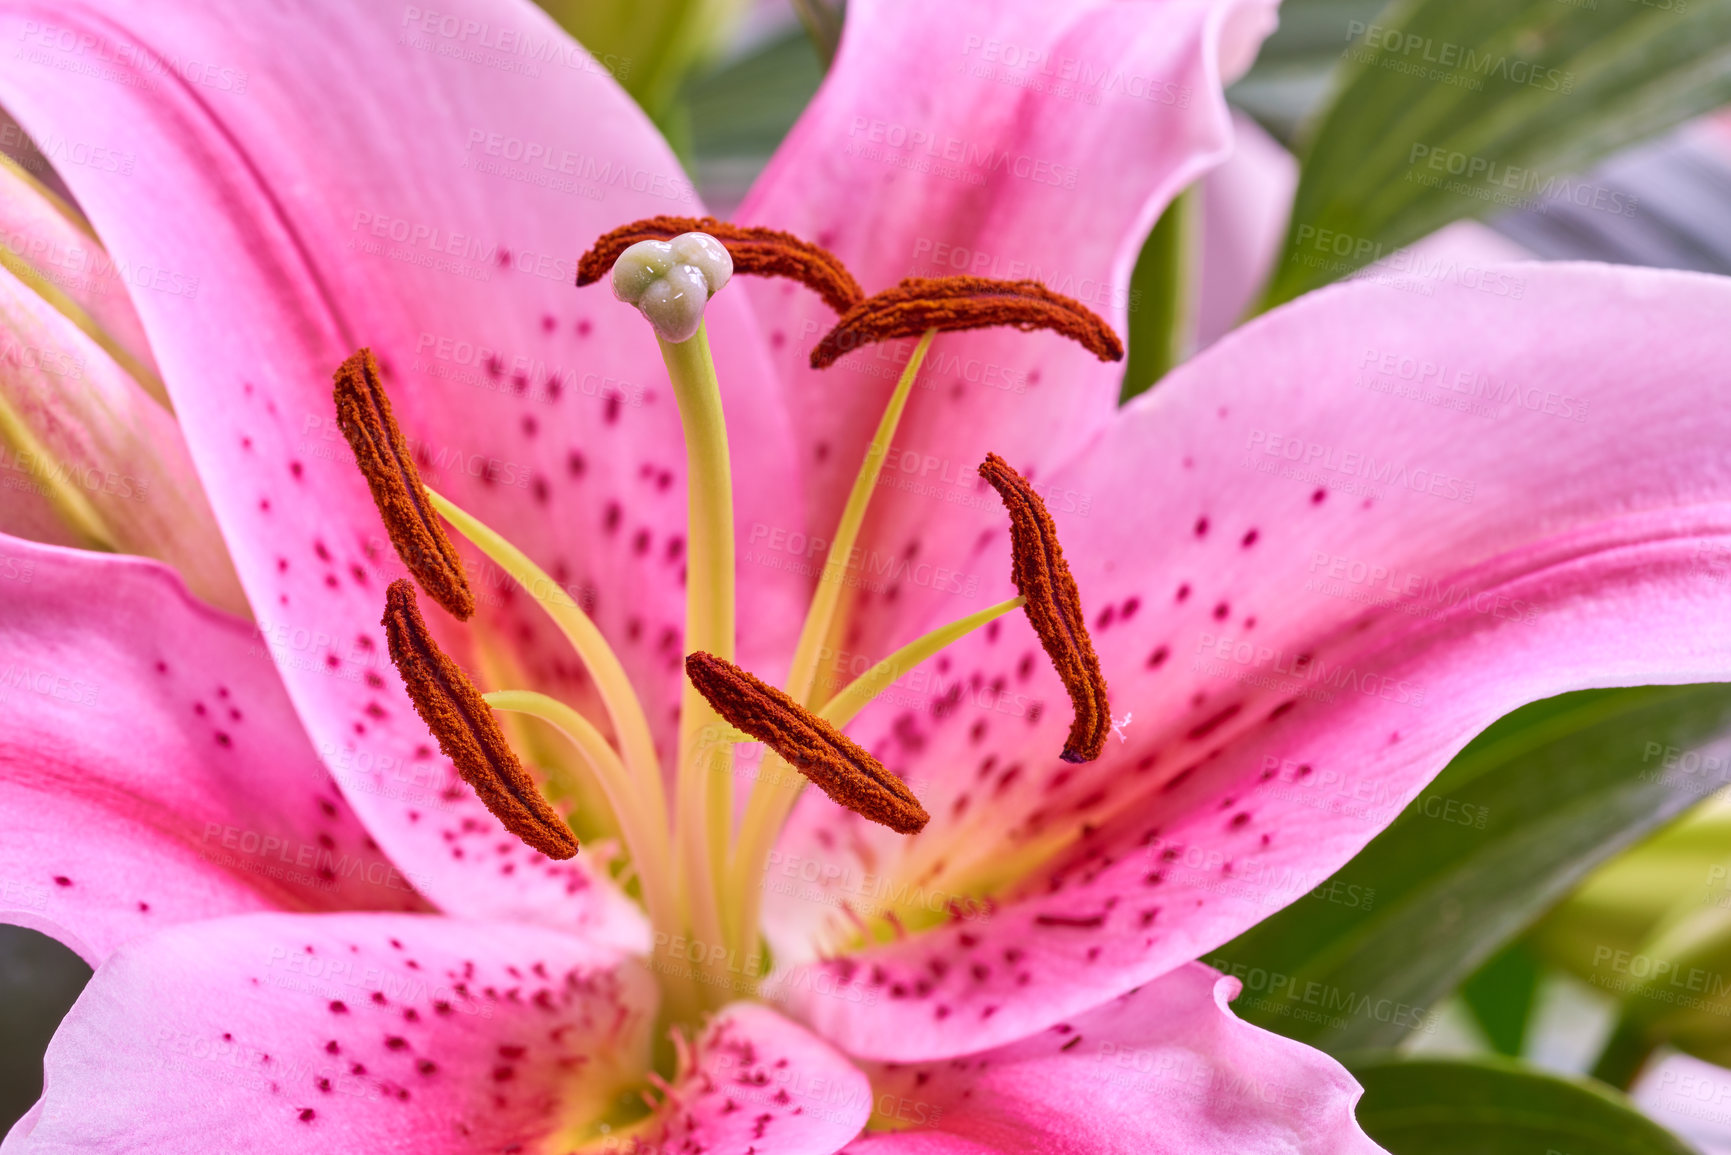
671	282
364	415
469	735
840	767
756	252
953	303
1054	608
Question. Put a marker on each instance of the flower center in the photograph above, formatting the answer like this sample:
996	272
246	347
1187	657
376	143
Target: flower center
699	877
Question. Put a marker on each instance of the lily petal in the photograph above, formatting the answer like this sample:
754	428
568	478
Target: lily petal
152	770
758	1082
89	459
49	245
1310	589
1245	205
277	1032
1037	139
1166	1069
336	175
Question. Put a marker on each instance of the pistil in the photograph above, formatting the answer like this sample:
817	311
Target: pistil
756	252
705	769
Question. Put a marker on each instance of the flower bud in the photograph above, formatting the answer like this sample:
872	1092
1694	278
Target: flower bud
670	282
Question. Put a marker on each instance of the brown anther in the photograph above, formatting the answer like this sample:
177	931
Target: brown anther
364	415
759	252
1054	608
952	303
840	766
461	720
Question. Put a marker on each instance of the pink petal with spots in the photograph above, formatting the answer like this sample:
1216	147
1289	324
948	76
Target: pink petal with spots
1167	1069
1036	139
152	771
346	1032
758	1083
1310	586
335	175
94	461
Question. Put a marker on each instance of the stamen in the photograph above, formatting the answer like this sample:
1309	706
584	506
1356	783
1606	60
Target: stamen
952	303
1054	608
467	732
839	766
758	252
364	415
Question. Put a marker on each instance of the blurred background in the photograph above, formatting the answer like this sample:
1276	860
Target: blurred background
1560	897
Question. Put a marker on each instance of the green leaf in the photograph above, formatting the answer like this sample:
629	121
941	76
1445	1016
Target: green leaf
1458	108
1501	995
1495	1106
1162	296
1510	826
823	21
648	45
746	107
1290	78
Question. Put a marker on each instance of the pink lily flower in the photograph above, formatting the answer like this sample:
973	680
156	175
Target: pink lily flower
1311	574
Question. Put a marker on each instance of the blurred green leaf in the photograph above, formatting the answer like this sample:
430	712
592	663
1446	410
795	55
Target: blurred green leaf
1501	995
1162	300
1507	829
1494	1106
648	45
1290	78
1652	928
744	108
1646	891
822	20
1459	108
39	980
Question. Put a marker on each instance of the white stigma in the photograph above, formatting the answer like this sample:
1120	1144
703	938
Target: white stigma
671	282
